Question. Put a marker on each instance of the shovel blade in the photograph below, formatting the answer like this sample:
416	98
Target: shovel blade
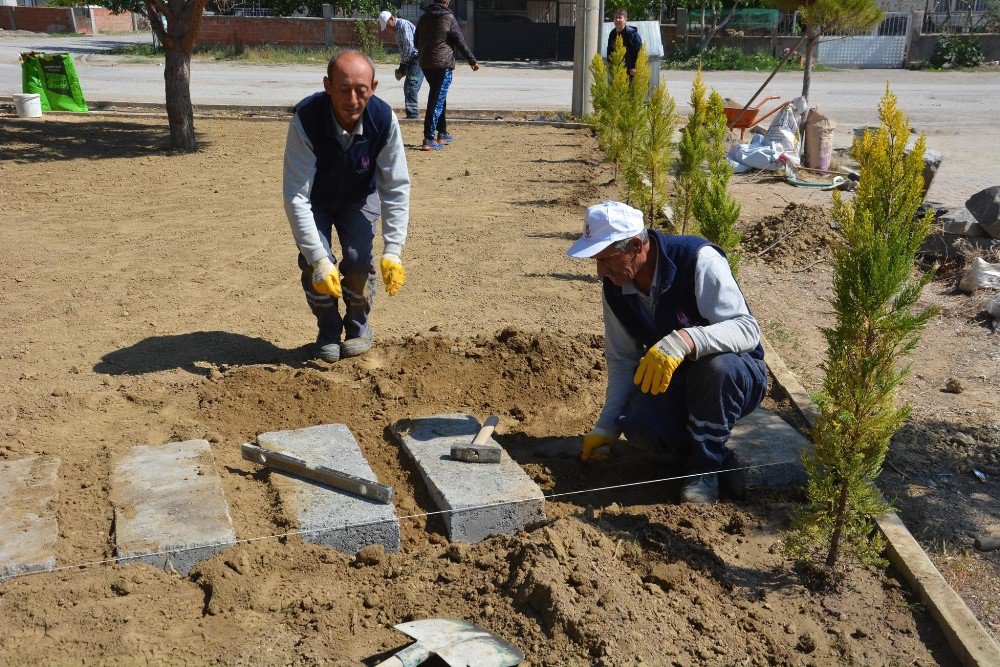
491	651
462	643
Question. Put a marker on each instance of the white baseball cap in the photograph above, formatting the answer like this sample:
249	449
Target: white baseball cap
605	223
383	19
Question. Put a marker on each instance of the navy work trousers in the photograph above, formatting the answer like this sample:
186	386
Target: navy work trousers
356	232
689	424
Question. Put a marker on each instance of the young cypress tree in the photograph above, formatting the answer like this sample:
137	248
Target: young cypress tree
615	142
875	291
690	177
598	91
654	156
715	209
633	128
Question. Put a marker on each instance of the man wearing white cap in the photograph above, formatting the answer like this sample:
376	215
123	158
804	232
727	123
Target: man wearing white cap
408	65
683	351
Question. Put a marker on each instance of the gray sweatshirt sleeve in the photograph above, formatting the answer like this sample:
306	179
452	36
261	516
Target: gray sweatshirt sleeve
393	183
300	169
623	353
731	327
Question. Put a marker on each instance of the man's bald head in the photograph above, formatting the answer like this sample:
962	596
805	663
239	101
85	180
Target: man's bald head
350	63
350	81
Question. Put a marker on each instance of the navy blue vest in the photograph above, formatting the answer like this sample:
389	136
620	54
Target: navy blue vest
343	179
675	305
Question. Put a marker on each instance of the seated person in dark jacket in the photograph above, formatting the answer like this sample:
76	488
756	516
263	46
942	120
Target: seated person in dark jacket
630	38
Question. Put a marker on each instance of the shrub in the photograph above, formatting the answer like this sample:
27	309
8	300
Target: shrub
957	51
723	58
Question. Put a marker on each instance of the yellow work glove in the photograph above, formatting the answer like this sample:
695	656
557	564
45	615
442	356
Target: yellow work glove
658	366
393	273
598	438
326	277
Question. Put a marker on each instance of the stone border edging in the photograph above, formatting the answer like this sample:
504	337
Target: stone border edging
972	644
281	112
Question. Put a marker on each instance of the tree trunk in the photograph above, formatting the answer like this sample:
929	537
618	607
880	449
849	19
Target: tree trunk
831	556
706	38
180	114
807	67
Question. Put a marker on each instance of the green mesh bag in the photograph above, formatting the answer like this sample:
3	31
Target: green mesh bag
53	77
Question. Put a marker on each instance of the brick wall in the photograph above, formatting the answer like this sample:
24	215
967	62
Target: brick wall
280	31
105	21
37	19
245	30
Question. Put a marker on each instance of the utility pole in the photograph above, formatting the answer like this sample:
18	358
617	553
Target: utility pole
587	34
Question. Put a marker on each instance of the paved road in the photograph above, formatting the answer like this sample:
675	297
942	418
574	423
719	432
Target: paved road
957	110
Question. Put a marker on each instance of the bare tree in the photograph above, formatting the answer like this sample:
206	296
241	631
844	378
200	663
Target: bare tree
715	7
176	24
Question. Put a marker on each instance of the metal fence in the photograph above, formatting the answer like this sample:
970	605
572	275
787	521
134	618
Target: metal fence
955	22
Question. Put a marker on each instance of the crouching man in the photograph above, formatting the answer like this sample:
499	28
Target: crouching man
683	351
344	168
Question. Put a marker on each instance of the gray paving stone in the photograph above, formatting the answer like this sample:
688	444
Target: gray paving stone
28	528
349	522
454	485
961	223
763	437
168	498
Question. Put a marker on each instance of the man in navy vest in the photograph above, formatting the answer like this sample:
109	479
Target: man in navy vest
683	351
344	167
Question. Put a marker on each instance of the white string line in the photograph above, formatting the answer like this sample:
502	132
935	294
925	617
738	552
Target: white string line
309	531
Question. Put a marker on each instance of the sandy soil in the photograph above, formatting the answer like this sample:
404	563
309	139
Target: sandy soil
150	297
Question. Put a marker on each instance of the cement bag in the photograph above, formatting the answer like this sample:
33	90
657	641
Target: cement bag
817	133
784	130
980	274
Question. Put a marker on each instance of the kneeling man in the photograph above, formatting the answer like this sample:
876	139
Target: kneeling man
683	351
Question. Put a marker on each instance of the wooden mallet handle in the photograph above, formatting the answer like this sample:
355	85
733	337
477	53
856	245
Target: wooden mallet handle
486	431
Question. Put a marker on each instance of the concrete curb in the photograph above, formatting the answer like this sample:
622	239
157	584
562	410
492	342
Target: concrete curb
282	112
972	644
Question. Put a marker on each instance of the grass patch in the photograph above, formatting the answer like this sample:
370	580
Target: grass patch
729	58
258	54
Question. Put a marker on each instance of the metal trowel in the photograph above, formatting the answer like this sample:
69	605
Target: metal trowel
458	643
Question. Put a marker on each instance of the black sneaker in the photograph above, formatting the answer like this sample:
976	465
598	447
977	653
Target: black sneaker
701	490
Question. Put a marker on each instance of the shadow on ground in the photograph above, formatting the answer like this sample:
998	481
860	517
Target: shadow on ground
532	65
196	352
30	140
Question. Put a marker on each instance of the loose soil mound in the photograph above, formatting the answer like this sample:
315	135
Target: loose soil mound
797	237
634	582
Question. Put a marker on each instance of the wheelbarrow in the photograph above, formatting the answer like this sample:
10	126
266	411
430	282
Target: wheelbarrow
751	116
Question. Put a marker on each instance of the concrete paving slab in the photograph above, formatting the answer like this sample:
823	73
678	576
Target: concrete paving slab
28	527
168	498
464	488
348	522
763	437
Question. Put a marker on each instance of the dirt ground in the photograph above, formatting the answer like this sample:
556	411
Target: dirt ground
150	298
